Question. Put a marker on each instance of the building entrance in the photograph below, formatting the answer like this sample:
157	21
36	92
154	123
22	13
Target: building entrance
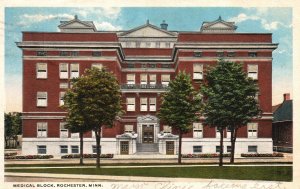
148	133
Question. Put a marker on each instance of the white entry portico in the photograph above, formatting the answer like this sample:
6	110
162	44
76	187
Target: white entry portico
147	127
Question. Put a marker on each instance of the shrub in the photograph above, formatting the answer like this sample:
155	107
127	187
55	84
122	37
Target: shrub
10	154
71	156
203	155
30	157
263	155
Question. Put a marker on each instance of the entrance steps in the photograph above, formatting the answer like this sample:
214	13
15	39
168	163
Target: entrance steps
151	148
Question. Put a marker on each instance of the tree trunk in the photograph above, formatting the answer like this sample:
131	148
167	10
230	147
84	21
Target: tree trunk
97	133
179	148
233	139
221	147
81	148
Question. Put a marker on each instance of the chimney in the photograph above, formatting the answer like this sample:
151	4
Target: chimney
164	25
286	96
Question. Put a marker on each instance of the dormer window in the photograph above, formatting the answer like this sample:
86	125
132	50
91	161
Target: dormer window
252	54
220	54
96	53
231	54
63	53
74	53
197	54
41	53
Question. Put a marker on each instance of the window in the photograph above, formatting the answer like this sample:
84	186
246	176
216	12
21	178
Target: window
228	149
63	85
253	71
130	104
63	71
64	53
63	130
152	79
197	130
74	70
130	79
41	70
218	134
231	54
63	149
197	149
74	135
94	135
41	53
165	79
152	65
41	99
157	44
144	65
144	105
252	149
220	54
128	129
42	129
95	149
96	53
167	44
61	98
252	54
198	71
74	53
96	65
228	133
252	130
74	149
166	66
167	129
137	44
130	65
152	102
143	79
218	148
197	54
41	149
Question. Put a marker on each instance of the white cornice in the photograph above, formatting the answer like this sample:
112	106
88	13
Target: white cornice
164	70
43	117
212	45
225	58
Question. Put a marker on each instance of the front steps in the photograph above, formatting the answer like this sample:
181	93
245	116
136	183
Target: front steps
147	148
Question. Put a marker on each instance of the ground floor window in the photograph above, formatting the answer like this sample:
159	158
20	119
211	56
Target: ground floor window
197	149
74	149
252	149
218	148
63	149
95	149
42	149
228	149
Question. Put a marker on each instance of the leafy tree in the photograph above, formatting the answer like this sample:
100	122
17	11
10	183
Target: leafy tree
179	106
13	126
230	100
98	102
75	121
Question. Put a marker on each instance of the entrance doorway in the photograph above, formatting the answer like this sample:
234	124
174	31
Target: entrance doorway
170	147
148	133
124	148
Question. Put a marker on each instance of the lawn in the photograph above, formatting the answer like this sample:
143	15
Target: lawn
270	173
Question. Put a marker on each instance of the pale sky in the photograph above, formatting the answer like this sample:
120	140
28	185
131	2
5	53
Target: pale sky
277	21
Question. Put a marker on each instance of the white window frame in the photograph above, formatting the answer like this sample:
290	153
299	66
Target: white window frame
143	104
41	129
97	65
74	135
152	104
128	128
62	148
63	73
218	133
63	85
41	70
61	98
41	147
167	129
228	133
197	71
144	79
130	102
94	149
227	147
75	147
165	79
41	99
252	129
63	132
130	79
197	146
197	130
152	79
251	151
252	70
74	70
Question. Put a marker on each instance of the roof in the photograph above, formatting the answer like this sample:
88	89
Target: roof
274	108
284	112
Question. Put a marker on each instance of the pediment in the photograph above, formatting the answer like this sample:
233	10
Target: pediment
75	24
147	31
147	118
220	25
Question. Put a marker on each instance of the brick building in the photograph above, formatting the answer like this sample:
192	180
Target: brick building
144	60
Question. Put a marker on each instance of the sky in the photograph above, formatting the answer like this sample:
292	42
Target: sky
277	21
